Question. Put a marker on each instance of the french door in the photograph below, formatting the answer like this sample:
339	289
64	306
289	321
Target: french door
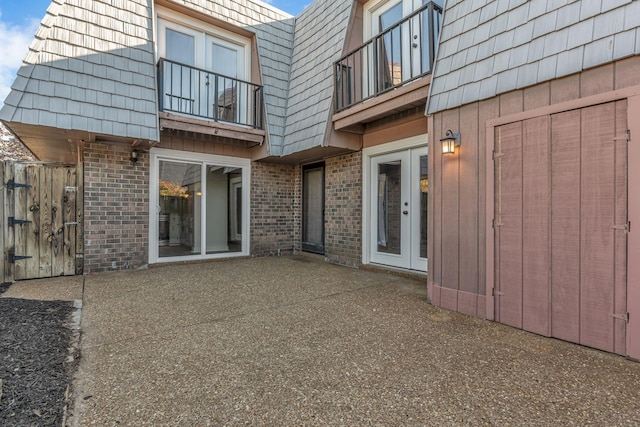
398	209
203	70
403	51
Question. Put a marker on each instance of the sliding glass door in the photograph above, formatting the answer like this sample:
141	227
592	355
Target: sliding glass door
201	206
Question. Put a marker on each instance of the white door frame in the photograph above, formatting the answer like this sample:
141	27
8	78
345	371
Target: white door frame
206	160
367	155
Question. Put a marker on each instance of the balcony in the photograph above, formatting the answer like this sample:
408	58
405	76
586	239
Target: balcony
402	54
198	100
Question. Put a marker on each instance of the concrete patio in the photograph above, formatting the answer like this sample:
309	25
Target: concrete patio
296	341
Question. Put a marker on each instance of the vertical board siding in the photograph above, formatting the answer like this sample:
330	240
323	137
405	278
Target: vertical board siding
430	205
621	217
69	219
509	307
561	208
41	204
45	223
535	228
79	218
3	215
33	215
597	194
20	213
565	225
9	203
487	109
468	201
450	166
435	219
57	224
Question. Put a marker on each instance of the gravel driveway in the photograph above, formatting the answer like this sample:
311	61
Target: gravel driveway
296	341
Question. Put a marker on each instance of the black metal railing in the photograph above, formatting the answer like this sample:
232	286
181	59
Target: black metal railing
200	93
394	57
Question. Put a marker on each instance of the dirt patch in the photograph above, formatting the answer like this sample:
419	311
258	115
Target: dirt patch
35	372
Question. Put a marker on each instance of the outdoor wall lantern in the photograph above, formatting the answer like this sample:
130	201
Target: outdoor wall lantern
134	156
450	141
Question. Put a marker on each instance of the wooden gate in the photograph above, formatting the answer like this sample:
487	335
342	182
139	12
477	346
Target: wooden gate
42	220
561	225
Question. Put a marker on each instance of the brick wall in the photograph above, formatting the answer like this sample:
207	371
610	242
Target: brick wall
343	209
116	203
297	209
272	209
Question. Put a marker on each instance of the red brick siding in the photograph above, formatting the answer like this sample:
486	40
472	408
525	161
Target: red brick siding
272	209
116	208
343	209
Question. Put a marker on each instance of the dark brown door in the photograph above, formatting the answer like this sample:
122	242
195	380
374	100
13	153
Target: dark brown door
313	208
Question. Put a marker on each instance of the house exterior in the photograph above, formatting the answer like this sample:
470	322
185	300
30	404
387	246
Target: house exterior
532	219
213	129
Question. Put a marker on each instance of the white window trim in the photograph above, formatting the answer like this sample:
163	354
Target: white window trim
191	25
367	154
157	154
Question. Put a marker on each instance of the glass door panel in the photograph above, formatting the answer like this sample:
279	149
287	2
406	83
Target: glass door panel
226	60
219	209
179	76
390	209
398	209
313	209
419	192
202	206
389	48
235	209
179	209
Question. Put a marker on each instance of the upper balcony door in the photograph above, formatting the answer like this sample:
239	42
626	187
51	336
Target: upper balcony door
227	60
402	48
205	73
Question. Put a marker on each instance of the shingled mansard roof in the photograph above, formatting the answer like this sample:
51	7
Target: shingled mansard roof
492	47
90	67
319	40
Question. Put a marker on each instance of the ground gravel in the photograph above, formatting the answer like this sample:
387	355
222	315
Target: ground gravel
34	345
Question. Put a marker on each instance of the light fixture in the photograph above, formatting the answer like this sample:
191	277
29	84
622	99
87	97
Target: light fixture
133	156
450	142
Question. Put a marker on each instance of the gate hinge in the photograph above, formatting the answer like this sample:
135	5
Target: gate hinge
623	316
495	224
494	292
11	185
13	257
13	221
628	135
495	155
626	227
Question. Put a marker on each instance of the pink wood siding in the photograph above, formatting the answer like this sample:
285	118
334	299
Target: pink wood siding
509	224
621	215
560	100
565	225
560	194
535	227
596	233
